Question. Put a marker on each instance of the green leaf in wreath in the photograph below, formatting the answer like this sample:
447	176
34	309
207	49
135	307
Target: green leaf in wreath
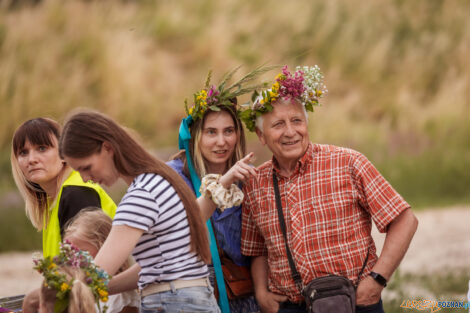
60	305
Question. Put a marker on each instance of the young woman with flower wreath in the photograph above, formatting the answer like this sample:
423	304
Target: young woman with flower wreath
157	220
214	150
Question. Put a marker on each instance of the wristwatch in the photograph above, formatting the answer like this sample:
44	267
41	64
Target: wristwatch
379	278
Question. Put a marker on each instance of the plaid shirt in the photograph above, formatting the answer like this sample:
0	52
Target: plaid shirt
328	203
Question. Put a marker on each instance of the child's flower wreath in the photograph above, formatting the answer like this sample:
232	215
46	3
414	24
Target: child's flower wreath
70	256
305	85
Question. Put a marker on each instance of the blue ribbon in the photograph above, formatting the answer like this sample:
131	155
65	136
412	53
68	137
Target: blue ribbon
183	143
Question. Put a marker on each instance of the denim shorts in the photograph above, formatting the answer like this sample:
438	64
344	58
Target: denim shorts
191	299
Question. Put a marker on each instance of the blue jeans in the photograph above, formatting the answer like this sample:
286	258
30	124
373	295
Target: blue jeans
192	299
287	307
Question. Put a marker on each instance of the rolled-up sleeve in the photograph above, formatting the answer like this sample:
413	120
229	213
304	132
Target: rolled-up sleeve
376	195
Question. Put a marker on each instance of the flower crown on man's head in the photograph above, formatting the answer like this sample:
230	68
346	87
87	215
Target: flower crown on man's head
214	97
70	256
305	85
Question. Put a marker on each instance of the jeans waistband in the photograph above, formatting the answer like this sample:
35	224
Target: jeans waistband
173	285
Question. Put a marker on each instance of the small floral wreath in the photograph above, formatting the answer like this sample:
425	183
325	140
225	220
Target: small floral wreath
70	256
213	97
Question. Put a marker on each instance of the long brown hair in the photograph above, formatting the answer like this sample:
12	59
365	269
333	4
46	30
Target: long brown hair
84	134
38	131
199	163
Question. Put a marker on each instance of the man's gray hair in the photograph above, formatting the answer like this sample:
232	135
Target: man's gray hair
260	119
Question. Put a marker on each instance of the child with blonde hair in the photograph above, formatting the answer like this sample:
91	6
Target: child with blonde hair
87	232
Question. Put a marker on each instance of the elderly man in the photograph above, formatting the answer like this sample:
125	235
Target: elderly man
329	197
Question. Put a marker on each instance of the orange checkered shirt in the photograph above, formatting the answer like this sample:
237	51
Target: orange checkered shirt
329	203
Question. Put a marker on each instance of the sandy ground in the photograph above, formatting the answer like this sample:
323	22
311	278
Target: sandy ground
441	243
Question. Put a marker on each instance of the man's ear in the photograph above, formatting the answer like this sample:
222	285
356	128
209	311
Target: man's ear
260	136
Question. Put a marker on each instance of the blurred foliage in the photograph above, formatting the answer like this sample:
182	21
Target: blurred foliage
16	231
397	72
441	286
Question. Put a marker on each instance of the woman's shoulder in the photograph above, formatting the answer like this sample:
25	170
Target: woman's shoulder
150	183
176	164
145	181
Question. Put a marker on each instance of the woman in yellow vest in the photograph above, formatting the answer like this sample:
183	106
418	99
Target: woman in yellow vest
53	192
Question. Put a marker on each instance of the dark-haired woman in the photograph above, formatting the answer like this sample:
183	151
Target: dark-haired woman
157	220
53	192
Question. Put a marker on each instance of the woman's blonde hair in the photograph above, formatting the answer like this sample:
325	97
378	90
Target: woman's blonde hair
81	298
92	225
199	162
38	131
84	134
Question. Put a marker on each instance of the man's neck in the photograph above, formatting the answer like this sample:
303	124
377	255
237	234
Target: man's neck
286	167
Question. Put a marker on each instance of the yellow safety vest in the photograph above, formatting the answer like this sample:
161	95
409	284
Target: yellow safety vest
51	233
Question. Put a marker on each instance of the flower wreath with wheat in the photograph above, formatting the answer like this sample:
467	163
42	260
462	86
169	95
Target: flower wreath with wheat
305	85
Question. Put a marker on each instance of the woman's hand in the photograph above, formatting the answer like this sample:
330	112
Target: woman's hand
31	301
239	172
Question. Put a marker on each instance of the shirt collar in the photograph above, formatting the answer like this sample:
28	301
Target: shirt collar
301	163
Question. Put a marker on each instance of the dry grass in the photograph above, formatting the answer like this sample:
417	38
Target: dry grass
397	71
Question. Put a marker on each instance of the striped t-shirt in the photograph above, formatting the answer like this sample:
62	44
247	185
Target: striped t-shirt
163	251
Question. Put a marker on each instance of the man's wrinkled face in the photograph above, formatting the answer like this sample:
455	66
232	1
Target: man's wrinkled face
285	131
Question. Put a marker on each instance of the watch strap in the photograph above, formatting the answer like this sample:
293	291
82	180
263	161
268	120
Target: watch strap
379	278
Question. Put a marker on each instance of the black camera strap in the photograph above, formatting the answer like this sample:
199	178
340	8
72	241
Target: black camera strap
295	274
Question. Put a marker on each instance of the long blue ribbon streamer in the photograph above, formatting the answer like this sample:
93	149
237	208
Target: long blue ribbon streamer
183	143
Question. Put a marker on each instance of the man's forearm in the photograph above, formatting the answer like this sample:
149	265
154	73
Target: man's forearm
397	241
259	272
267	301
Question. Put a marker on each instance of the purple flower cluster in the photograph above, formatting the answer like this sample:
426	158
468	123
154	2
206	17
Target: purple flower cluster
212	96
291	86
74	256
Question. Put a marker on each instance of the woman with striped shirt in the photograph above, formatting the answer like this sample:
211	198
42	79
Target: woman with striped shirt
157	220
